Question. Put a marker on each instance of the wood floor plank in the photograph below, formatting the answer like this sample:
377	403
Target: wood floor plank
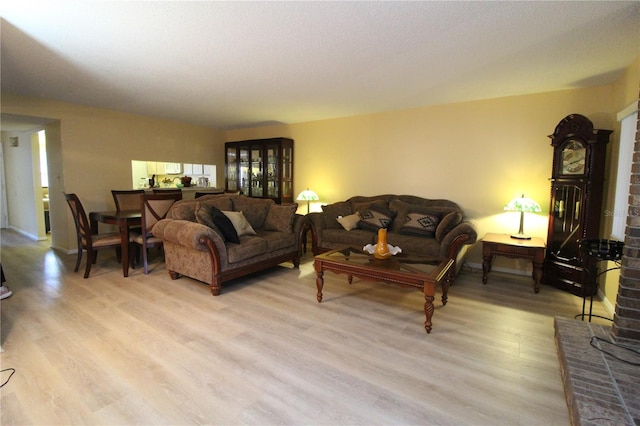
150	350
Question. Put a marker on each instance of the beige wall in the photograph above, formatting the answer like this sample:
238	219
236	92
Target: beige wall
96	147
478	154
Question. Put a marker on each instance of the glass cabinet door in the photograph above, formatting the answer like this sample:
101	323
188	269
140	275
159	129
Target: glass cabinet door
245	180
232	169
567	231
257	170
272	171
287	173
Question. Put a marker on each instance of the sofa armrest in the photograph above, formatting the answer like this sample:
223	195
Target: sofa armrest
188	234
315	222
452	242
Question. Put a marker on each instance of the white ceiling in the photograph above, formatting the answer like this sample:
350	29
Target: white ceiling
236	64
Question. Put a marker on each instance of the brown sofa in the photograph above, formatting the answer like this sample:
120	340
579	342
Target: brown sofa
197	245
420	226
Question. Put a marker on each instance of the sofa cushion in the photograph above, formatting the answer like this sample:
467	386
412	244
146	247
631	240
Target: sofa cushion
349	222
356	238
212	217
280	218
250	246
448	222
278	240
254	209
332	211
240	223
418	245
375	216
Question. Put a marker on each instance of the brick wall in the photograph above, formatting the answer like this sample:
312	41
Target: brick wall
626	321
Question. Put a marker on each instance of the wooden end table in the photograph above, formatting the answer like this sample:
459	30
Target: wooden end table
503	245
402	271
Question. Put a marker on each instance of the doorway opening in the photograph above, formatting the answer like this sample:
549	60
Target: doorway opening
44	178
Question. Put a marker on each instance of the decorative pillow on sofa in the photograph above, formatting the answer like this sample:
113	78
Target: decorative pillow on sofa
375	217
183	210
280	218
332	211
209	215
349	222
402	209
448	222
240	223
255	209
416	223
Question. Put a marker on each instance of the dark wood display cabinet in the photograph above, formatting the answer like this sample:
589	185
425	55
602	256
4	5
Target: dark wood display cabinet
576	203
261	168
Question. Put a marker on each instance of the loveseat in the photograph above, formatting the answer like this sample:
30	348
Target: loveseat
216	238
419	226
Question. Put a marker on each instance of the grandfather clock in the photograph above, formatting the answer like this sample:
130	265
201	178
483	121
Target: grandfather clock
576	203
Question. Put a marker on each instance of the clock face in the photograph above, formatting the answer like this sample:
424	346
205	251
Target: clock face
573	158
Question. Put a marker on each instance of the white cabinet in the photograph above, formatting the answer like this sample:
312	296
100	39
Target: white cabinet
194	169
172	168
198	169
152	168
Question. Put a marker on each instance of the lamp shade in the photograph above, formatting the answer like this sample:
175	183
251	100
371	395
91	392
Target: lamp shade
522	205
308	195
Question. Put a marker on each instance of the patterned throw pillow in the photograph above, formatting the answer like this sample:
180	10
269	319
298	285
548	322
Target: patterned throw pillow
280	218
209	215
375	217
423	224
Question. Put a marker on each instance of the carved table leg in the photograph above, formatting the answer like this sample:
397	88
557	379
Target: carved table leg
319	284
428	312
429	291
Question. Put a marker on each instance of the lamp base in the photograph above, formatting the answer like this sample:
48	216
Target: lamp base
521	236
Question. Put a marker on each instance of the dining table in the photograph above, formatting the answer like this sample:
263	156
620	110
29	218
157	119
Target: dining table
125	220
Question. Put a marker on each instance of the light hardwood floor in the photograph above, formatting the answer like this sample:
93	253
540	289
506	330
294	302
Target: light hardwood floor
149	350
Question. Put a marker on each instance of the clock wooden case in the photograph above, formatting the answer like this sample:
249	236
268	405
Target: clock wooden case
576	203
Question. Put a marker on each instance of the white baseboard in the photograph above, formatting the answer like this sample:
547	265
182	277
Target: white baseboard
607	304
501	269
25	233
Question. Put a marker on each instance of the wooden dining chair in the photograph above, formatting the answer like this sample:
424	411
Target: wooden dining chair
199	194
167	190
127	199
86	239
154	209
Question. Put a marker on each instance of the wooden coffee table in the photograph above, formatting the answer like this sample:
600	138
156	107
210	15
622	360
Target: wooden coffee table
401	271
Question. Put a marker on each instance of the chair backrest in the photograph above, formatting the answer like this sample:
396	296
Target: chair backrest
199	194
83	228
167	190
155	208
127	199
